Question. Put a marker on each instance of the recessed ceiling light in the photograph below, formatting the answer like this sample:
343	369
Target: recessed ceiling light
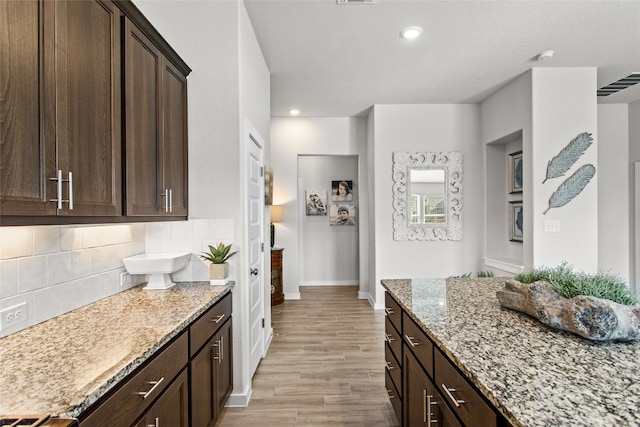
411	32
544	56
294	112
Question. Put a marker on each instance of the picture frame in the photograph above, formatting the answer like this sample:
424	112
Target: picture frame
342	191
342	214
316	202
516	213
515	166
268	186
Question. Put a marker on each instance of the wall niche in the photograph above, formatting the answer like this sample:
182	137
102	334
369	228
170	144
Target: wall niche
504	204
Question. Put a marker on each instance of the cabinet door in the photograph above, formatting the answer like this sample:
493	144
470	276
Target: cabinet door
27	134
143	68
223	378
88	123
171	408
423	406
174	139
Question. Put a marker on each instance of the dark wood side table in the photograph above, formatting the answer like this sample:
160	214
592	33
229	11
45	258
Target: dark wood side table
277	296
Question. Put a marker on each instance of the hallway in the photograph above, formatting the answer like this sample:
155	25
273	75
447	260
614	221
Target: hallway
325	366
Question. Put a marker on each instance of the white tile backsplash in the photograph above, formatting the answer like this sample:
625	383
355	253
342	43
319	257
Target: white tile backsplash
8	278
16	242
56	269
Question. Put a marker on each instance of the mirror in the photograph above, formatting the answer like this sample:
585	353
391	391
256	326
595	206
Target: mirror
427	195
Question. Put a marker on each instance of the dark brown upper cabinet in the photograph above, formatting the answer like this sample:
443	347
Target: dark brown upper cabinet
155	128
60	110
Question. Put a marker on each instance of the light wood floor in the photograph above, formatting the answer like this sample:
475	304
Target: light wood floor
325	366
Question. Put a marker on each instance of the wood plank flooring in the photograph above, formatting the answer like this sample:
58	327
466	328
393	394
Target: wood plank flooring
325	365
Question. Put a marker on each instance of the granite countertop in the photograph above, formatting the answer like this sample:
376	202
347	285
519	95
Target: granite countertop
534	375
61	366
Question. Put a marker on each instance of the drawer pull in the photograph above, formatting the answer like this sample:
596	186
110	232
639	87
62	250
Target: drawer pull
156	423
389	311
410	339
388	338
155	385
455	401
218	319
389	366
391	396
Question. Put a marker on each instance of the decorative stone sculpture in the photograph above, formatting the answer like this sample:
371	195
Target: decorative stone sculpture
593	318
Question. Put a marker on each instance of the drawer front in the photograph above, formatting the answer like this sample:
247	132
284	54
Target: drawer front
393	339
393	368
394	396
419	343
393	311
207	325
458	393
133	397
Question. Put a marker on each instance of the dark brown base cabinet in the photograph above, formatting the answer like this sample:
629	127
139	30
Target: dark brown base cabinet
186	383
425	387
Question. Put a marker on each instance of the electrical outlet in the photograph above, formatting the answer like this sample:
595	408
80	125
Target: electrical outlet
14	315
551	226
126	279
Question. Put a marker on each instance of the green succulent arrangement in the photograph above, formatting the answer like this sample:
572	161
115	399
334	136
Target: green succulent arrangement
569	283
218	254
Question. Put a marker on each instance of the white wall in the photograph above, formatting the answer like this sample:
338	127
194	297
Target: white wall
329	253
614	236
634	200
291	137
426	128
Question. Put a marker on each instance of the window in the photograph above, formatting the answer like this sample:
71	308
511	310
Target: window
429	211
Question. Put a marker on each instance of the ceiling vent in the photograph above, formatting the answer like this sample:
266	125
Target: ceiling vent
355	1
617	86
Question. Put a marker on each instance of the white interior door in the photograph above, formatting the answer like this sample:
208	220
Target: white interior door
255	206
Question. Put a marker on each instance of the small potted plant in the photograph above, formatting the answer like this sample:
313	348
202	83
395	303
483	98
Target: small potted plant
219	268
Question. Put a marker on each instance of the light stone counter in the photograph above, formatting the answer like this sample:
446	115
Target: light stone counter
61	366
534	375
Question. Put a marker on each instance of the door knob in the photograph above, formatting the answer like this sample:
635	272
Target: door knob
254	271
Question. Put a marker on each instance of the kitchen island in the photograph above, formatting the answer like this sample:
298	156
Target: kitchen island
533	375
62	366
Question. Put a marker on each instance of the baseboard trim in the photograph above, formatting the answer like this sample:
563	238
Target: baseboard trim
292	295
267	342
239	400
332	283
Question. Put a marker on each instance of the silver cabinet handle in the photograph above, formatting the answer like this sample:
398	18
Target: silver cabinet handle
218	319
170	200
388	338
448	391
388	311
217	346
389	393
156	423
58	179
389	366
221	350
410	339
155	385
70	190
165	194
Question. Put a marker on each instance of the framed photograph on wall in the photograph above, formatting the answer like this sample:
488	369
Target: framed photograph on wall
341	191
342	214
515	221
515	172
316	202
268	187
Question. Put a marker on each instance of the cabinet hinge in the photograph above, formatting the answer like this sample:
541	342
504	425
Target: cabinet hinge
263	322
261	171
262	247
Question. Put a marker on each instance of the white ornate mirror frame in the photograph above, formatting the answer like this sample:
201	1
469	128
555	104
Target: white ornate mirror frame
451	163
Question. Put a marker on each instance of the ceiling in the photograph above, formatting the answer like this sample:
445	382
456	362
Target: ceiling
331	60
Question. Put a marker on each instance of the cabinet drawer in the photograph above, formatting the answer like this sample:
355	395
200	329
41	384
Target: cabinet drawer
207	325
393	368
460	394
133	397
393	311
419	343
394	396
393	339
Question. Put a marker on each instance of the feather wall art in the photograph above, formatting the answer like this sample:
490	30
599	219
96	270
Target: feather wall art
571	187
566	158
